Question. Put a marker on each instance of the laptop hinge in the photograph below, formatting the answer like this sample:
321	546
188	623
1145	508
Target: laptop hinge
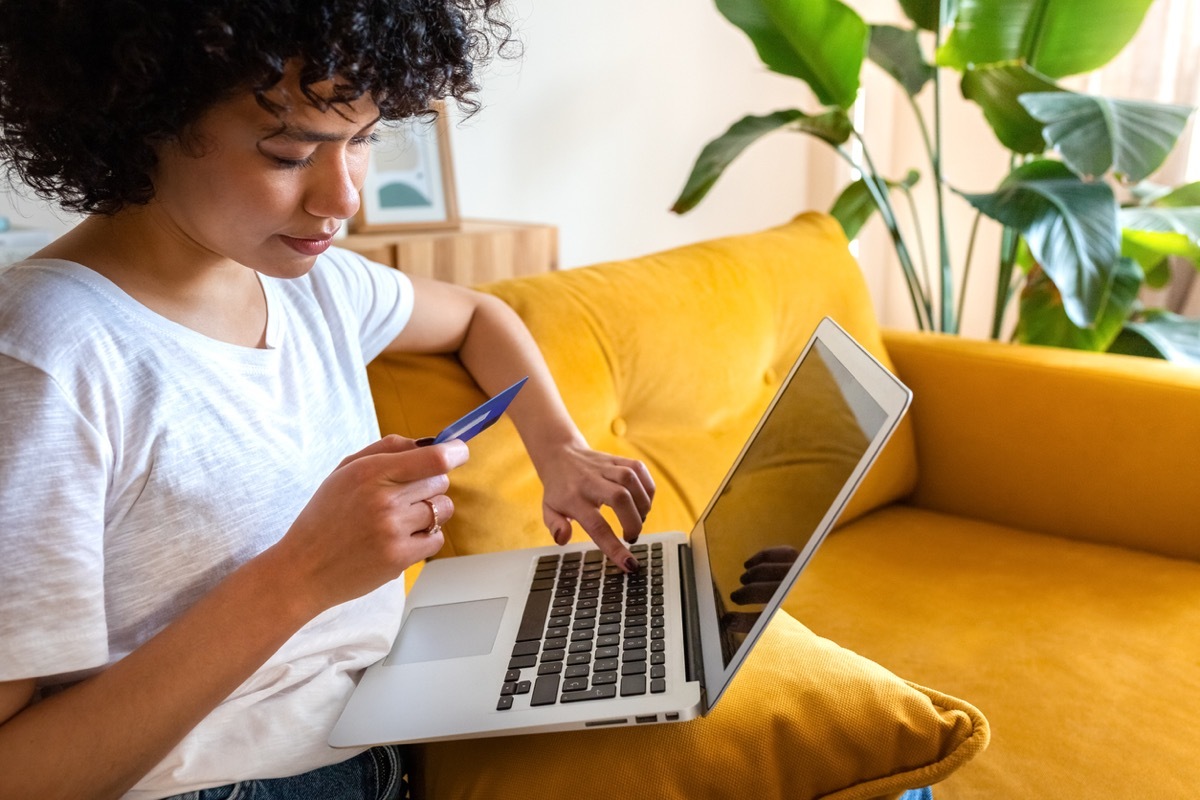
693	655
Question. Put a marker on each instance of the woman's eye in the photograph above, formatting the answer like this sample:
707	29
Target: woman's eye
369	139
293	163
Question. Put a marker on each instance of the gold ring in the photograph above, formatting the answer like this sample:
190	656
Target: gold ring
436	527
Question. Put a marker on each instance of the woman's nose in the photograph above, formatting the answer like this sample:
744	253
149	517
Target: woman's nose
334	190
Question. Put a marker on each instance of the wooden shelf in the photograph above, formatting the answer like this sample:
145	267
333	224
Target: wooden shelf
480	251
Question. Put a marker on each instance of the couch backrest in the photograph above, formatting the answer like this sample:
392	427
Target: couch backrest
669	358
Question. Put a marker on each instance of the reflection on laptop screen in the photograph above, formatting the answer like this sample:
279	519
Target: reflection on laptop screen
783	487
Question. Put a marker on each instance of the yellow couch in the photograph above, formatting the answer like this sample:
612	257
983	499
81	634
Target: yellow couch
1027	541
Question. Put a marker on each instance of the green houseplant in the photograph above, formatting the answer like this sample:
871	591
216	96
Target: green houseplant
1083	231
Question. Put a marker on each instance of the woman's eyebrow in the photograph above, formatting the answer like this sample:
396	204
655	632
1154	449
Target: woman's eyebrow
309	136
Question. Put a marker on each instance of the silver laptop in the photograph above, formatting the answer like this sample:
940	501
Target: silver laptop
554	638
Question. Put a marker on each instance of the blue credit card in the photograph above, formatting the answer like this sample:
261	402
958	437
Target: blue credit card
477	421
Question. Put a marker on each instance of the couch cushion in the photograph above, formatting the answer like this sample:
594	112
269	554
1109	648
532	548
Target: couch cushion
803	719
669	358
1084	657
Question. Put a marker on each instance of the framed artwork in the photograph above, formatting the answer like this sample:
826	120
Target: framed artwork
410	179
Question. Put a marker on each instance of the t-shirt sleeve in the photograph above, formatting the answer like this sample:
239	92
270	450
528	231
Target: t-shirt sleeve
52	488
382	298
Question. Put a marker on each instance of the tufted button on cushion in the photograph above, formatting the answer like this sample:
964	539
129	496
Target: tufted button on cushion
618	427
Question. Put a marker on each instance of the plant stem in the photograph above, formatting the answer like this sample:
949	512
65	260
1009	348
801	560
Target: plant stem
948	322
1004	289
879	193
916	219
962	289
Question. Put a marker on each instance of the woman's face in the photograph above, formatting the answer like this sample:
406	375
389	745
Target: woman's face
265	191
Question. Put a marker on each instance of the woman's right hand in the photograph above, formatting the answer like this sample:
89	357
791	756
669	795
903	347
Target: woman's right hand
370	520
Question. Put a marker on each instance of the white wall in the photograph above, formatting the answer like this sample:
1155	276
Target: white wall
595	129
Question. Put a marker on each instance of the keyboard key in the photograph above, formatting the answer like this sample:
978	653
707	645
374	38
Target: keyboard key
523	687
609	630
574	685
533	619
658	686
557	643
580	647
579	658
541	584
633	655
634	644
606	665
552	668
604	678
633	684
545	691
583	636
522	662
658	672
595	693
526	648
505	703
512	675
608	652
578	671
634	668
508	688
658	658
550	655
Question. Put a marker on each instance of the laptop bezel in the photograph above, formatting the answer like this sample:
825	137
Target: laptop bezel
893	398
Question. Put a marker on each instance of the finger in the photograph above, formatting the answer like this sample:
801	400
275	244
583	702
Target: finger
420	462
753	593
558	525
766	573
437	509
602	534
392	443
426	544
779	555
635	477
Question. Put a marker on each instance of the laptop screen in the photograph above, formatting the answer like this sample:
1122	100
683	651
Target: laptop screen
784	485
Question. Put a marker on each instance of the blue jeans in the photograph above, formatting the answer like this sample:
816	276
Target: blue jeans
374	775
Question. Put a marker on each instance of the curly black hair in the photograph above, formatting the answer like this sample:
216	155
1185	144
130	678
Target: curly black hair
89	89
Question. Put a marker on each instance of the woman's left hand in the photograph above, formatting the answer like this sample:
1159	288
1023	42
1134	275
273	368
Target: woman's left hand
579	481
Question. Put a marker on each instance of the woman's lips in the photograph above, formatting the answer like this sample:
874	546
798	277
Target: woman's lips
308	246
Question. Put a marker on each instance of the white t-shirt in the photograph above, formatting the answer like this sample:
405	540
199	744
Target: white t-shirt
141	462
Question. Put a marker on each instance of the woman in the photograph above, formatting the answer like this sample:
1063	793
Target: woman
203	533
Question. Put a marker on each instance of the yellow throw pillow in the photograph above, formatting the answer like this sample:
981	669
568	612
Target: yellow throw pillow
804	718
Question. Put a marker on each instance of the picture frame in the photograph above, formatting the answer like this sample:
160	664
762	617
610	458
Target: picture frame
410	178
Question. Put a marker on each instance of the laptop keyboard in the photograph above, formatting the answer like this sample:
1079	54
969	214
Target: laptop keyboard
589	631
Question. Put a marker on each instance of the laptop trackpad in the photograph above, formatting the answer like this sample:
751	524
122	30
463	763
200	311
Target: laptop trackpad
453	630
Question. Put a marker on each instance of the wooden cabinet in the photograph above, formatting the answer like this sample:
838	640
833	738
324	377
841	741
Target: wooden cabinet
479	251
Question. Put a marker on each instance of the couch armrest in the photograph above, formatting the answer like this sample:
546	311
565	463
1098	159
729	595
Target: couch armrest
1091	446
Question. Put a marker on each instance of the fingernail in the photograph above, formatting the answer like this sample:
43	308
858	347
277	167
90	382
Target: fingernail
632	564
424	441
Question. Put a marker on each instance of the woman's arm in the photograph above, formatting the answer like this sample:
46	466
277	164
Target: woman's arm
497	349
365	524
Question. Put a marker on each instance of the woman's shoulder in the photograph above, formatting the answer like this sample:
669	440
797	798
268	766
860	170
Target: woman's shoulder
50	307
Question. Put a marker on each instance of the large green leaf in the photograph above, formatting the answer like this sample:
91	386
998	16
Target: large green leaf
833	127
856	205
1162	334
1071	228
1150	234
996	88
1096	134
897	51
925	13
1043	318
821	42
1055	37
1186	195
